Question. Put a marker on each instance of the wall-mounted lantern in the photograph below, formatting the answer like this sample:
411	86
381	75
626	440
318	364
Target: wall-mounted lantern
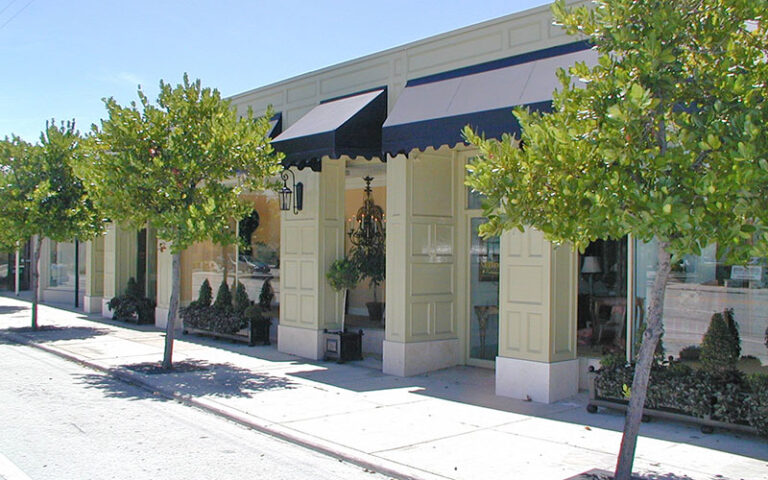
291	198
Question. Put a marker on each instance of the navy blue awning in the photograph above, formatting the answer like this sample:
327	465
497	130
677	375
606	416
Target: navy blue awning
275	125
344	126
432	111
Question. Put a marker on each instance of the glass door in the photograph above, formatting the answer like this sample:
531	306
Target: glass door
483	295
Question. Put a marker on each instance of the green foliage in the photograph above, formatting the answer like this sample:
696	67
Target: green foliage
719	348
253	314
266	295
39	192
223	301
342	275
370	260
241	300
205	295
676	387
691	353
733	328
662	138
612	360
132	305
757	401
166	165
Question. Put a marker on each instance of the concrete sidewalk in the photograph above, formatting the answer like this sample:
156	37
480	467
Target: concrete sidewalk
447	424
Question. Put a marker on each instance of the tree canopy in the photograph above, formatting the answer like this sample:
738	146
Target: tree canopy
178	166
171	165
41	196
664	138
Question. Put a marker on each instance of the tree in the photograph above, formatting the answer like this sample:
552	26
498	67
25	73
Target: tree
343	276
171	165
665	138
40	196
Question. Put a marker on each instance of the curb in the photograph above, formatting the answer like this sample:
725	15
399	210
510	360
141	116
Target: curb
325	447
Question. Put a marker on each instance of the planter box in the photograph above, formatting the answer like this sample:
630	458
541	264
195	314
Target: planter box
707	425
255	332
343	346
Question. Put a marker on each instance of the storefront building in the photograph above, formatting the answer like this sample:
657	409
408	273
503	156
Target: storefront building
536	313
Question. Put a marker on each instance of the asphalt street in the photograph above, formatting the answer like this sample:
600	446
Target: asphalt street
61	421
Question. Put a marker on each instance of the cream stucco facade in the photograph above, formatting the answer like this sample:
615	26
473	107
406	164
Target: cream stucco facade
428	312
427	309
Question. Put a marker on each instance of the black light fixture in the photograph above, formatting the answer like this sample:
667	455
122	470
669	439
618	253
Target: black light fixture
367	228
291	198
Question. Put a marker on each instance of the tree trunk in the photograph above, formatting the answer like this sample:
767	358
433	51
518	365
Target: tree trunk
35	279
170	328
651	335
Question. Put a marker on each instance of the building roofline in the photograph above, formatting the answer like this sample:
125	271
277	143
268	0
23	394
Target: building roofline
393	50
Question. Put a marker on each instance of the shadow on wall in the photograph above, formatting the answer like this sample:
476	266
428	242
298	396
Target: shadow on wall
193	378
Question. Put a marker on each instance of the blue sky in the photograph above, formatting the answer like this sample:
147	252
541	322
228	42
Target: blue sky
59	59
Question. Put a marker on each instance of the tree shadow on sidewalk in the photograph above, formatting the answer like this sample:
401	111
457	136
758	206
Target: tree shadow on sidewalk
599	474
51	333
192	378
11	309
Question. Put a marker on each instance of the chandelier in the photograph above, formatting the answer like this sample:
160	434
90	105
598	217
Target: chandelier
367	226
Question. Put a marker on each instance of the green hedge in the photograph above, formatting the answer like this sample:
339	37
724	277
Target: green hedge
726	396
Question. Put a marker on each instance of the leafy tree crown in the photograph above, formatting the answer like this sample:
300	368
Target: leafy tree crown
172	165
664	137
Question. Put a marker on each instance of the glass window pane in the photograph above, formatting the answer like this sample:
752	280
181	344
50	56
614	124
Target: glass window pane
484	294
62	266
700	286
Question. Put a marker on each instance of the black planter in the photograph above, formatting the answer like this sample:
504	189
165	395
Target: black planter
375	311
343	346
260	332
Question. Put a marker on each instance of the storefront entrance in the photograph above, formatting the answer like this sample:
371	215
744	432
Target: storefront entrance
483	279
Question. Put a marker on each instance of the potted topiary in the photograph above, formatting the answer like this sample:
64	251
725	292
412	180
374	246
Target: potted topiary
342	276
369	258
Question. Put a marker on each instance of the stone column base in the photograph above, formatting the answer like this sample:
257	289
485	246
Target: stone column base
537	381
161	317
415	358
302	342
92	304
105	311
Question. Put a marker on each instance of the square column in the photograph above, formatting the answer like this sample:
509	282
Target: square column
120	250
94	270
309	243
421	329
537	319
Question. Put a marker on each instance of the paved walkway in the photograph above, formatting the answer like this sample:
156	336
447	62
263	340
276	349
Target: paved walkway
446	424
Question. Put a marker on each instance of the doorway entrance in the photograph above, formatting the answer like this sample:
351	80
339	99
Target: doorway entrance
483	338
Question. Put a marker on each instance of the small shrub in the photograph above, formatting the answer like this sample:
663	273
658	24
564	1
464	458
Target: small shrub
757	403
691	353
223	301
718	353
132	304
205	295
241	301
733	328
253	314
726	396
197	316
612	360
266	295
